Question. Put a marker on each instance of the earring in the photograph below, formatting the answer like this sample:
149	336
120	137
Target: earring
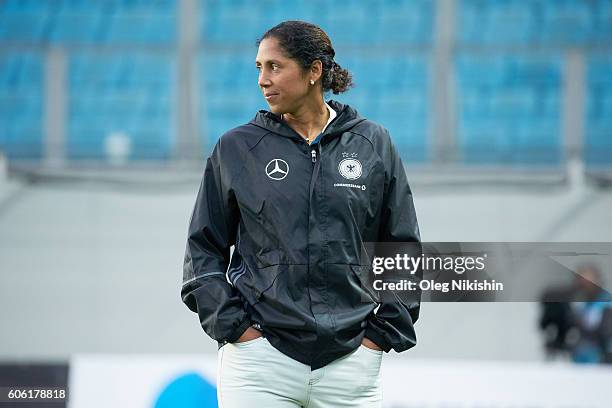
311	82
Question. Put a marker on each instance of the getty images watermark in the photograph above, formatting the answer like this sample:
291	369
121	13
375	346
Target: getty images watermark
457	264
482	271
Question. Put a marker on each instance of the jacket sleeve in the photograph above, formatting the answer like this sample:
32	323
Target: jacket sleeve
391	326
212	231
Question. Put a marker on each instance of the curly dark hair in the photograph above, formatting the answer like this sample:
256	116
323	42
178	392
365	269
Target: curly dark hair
305	43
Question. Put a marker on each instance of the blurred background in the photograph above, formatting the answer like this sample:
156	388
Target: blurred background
501	109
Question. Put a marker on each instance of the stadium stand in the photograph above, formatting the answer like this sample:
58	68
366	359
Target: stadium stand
391	87
21	100
507	68
598	144
88	22
509	109
351	22
392	90
128	93
534	22
118	91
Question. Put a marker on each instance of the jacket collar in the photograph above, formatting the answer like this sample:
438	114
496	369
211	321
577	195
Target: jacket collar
347	118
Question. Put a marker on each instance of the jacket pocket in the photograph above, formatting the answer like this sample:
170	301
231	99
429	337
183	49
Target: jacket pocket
250	205
252	284
257	235
365	281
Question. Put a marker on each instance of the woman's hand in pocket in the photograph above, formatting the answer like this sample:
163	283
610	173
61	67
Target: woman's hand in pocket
249	334
370	344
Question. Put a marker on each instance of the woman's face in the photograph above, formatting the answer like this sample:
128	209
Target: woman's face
284	84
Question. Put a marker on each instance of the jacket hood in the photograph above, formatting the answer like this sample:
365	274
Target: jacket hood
347	118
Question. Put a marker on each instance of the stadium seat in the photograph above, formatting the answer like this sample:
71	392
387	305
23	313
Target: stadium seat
598	138
508	109
389	21
85	22
392	89
130	93
232	96
536	22
21	110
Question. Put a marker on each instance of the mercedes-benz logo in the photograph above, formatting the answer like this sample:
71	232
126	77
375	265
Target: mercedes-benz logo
277	169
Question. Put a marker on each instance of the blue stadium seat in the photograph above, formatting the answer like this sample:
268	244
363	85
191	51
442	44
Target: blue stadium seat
21	111
508	109
222	24
34	6
495	22
243	22
403	22
117	92
539	22
348	22
598	138
391	89
567	22
69	26
603	17
230	94
81	21
22	26
153	28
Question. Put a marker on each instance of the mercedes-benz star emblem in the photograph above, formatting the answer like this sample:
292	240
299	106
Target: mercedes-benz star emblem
277	169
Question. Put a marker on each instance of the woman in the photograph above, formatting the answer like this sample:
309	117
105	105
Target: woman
298	191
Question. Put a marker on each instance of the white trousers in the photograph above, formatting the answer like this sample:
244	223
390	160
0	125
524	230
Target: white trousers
255	374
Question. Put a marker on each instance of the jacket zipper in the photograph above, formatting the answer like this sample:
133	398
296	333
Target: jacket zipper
313	176
315	166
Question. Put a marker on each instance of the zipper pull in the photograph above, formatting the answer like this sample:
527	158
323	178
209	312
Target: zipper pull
313	154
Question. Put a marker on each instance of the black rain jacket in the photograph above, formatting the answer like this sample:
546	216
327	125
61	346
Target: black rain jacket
298	216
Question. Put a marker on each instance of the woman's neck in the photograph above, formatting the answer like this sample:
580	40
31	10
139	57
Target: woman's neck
309	120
